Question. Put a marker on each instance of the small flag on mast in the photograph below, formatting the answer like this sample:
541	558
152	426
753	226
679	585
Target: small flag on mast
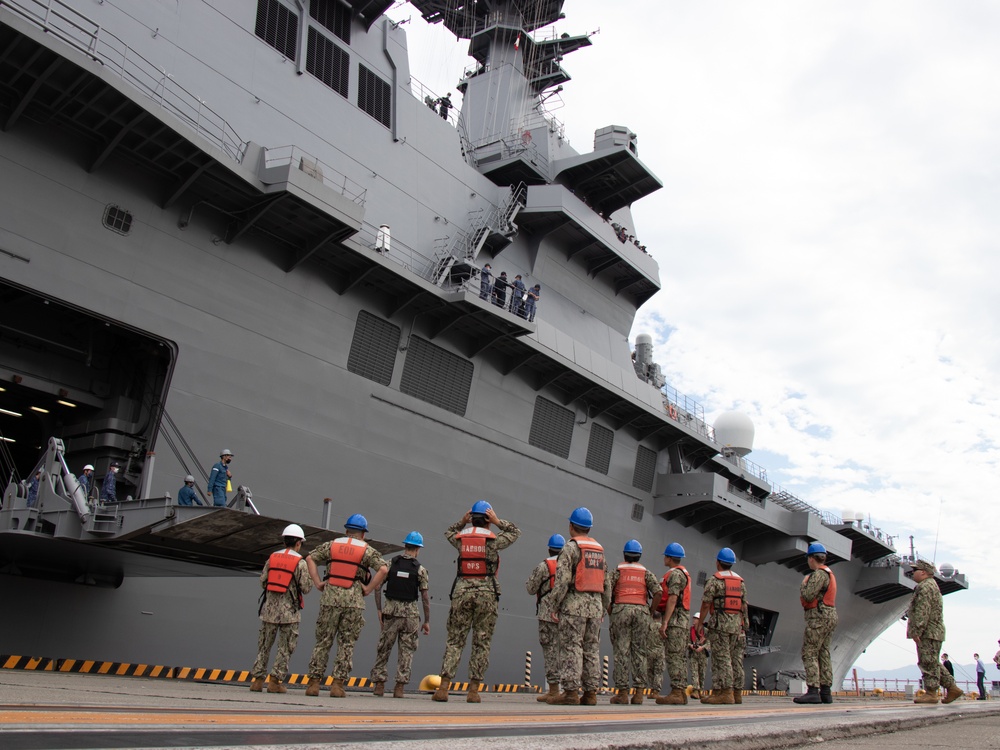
517	42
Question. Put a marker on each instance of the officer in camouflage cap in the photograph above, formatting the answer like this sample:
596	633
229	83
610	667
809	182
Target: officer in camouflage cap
925	627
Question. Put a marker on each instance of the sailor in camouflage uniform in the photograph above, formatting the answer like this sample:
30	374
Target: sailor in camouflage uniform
399	618
925	627
818	594
540	583
475	594
725	600
342	604
580	597
285	580
698	649
674	605
631	588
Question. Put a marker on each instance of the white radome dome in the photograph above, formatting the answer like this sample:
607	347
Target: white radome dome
735	430
947	570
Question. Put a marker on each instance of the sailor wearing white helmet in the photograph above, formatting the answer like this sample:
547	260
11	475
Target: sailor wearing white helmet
186	495
219	477
285	580
86	479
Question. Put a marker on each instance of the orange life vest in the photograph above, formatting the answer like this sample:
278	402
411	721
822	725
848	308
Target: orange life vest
281	567
685	598
828	595
550	563
631	585
588	577
472	562
732	600
346	554
694	636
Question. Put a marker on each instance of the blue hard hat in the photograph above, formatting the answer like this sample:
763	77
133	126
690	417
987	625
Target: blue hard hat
816	549
726	556
414	539
674	550
357	521
582	517
481	508
556	541
632	547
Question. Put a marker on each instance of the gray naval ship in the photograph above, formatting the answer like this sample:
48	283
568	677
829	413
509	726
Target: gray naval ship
244	224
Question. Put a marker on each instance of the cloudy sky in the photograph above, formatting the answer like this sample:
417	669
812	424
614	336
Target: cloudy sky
827	242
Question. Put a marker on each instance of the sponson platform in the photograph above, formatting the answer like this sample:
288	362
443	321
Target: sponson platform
65	710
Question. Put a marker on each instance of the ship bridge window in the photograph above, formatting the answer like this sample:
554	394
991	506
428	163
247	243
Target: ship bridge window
328	62
436	376
551	427
278	26
599	449
373	350
374	96
334	16
645	465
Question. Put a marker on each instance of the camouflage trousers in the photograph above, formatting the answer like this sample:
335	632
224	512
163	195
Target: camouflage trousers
816	647
472	610
407	631
344	624
579	652
656	656
933	671
675	650
739	676
629	641
548	639
699	662
287	634
725	651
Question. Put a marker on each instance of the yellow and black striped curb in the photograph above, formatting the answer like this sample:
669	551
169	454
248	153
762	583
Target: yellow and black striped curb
200	674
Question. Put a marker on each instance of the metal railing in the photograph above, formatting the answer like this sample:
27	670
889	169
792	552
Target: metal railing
82	33
336	181
748	496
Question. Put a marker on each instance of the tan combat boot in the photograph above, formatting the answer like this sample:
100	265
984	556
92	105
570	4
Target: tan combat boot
676	697
719	698
589	698
737	695
473	695
654	693
257	686
637	697
927	698
696	694
954	693
337	688
553	692
274	686
441	694
397	692
620	698
379	690
312	689
567	698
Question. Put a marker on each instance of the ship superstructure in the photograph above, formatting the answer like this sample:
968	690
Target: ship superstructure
245	224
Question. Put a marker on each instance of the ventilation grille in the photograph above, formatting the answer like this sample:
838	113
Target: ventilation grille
436	376
645	465
373	350
551	427
373	96
328	62
334	15
117	219
637	512
599	448
277	26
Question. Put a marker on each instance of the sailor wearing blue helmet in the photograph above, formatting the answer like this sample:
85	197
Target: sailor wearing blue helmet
818	596
725	599
539	585
474	594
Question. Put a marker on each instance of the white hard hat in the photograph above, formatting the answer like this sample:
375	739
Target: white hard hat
226	452
189	478
697	614
88	466
293	529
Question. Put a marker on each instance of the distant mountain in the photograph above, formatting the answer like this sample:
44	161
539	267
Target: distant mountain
963	672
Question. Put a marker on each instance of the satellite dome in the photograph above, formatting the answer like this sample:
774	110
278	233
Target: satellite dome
947	570
734	430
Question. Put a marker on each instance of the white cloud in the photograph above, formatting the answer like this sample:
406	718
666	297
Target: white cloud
826	237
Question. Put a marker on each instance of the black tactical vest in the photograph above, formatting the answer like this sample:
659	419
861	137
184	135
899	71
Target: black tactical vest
402	581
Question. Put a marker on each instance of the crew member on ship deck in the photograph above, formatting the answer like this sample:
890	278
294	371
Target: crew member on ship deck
219	478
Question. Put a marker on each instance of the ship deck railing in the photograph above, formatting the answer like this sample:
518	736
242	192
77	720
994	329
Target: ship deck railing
336	181
71	26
